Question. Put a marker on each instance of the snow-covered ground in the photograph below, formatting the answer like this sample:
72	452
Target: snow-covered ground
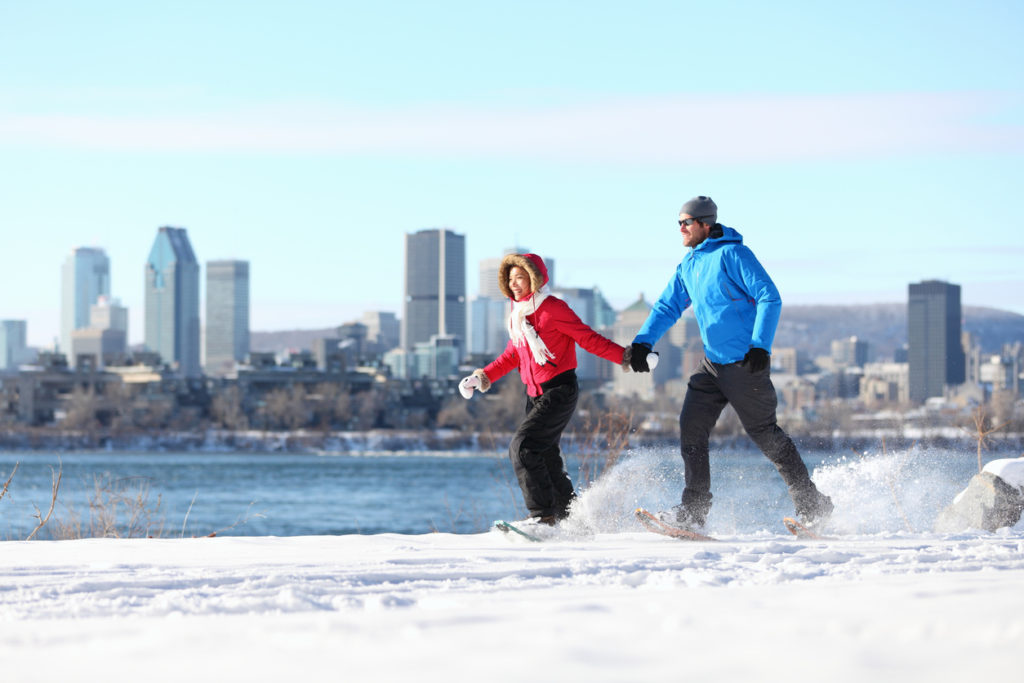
626	606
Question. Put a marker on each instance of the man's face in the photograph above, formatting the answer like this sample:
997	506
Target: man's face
694	231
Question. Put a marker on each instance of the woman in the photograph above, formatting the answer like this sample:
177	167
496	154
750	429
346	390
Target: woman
543	333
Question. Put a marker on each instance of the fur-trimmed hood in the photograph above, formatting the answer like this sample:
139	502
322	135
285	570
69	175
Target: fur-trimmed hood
531	263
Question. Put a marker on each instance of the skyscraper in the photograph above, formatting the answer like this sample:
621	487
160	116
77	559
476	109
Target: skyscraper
435	286
172	301
227	315
85	278
935	356
486	333
12	343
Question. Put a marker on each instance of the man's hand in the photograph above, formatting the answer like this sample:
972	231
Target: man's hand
638	357
756	359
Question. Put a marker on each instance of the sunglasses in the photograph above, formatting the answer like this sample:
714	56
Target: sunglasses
690	221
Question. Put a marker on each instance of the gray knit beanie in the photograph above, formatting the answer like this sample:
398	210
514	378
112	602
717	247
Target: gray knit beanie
703	208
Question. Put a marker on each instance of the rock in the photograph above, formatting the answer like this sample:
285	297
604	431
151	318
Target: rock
989	502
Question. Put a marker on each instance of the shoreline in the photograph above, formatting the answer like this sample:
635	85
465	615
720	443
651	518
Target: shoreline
384	441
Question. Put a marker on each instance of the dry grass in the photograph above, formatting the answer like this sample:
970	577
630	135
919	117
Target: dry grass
116	507
56	476
3	492
604	441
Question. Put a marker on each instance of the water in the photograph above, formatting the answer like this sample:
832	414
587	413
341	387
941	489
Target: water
289	495
268	495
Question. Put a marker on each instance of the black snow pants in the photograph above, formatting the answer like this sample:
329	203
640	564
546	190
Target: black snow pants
535	453
752	396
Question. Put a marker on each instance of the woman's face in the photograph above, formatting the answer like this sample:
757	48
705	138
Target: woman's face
518	282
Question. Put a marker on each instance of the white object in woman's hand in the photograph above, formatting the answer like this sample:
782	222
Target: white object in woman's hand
468	384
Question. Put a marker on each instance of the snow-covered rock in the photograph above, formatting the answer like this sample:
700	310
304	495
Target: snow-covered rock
994	498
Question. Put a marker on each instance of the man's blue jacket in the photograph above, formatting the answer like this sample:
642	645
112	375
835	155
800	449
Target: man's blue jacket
735	302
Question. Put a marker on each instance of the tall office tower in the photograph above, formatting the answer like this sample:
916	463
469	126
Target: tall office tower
435	286
12	343
935	355
486	333
489	288
172	301
227	315
85	278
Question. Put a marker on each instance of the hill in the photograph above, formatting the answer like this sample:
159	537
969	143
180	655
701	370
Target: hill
276	342
813	328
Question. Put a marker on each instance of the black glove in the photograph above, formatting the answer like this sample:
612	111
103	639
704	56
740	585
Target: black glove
756	359
638	357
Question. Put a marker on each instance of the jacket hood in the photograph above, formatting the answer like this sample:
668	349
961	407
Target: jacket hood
531	263
727	235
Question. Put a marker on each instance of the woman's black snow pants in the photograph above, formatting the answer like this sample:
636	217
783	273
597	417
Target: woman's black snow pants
535	453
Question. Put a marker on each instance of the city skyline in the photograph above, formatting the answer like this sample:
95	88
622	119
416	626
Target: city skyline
204	287
853	156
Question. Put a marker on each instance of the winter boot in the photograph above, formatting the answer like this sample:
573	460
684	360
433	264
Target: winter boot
683	517
814	509
544	520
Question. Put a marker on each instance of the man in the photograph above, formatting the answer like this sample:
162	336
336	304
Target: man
737	309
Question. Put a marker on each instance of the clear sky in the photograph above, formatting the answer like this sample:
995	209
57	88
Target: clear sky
856	146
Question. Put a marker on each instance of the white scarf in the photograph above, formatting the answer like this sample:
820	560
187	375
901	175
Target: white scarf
520	329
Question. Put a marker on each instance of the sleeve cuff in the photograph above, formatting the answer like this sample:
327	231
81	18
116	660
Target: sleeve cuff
485	382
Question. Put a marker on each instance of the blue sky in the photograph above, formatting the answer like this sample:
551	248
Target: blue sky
857	147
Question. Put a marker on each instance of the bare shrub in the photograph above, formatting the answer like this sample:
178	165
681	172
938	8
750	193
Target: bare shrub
227	409
983	430
605	436
7	483
117	508
57	476
454	414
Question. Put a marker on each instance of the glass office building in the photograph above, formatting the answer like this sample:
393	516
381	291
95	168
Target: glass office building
85	277
227	315
934	351
172	301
